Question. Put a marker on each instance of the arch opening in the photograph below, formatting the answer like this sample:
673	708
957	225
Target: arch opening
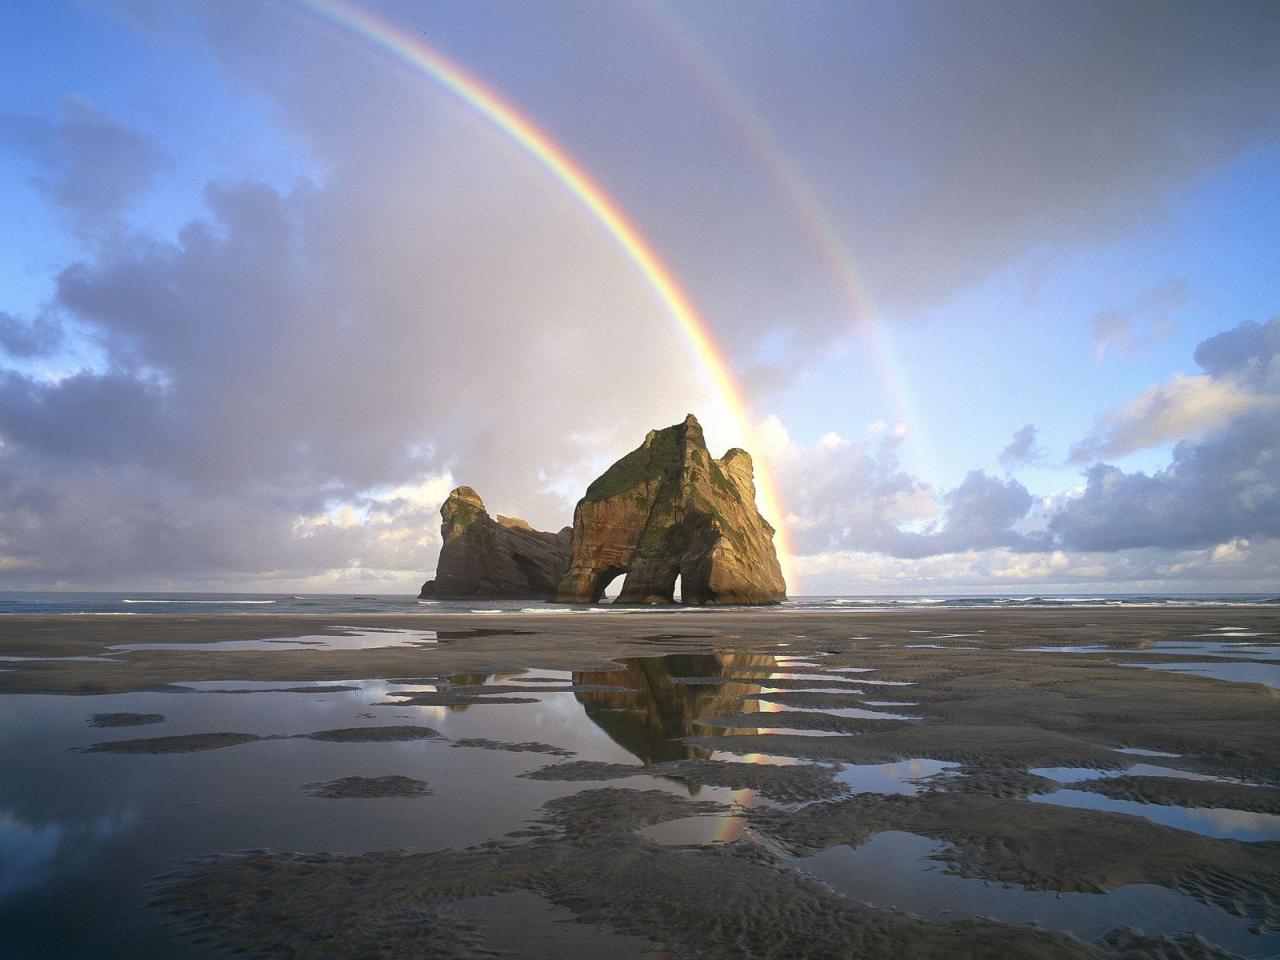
609	585
643	583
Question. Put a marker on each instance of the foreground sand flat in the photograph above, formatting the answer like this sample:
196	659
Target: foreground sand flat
684	784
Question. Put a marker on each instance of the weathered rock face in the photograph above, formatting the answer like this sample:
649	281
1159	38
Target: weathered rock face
496	559
669	509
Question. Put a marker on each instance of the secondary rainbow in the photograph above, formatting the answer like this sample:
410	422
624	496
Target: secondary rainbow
416	54
810	213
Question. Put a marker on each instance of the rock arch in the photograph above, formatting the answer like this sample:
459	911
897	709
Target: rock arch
669	509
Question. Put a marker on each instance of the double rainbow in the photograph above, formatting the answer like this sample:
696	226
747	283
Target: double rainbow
802	200
418	56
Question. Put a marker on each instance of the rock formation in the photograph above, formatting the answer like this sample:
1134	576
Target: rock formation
494	559
669	509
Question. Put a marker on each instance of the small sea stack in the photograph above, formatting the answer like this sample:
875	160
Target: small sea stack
489	558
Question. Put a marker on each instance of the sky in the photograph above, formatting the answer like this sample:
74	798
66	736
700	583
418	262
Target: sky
998	283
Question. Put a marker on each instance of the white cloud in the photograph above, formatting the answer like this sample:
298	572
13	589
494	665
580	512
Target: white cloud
1239	565
1186	407
1221	483
853	495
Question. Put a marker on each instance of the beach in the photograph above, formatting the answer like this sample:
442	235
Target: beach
1091	781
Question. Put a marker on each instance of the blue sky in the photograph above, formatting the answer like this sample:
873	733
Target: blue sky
265	295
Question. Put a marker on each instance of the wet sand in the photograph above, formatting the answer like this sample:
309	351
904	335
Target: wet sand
774	703
368	788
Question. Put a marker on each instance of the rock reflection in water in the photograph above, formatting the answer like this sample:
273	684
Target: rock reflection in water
650	716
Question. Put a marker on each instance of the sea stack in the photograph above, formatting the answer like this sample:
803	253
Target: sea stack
669	509
494	559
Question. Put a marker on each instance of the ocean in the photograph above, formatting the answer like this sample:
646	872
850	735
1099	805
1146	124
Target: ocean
143	603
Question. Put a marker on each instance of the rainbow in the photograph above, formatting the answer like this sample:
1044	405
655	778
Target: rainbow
418	56
811	214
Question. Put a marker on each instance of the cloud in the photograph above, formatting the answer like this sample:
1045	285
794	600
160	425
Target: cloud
1217	489
1220	486
1184	407
853	495
1247	352
1022	449
90	166
1234	566
934	149
26	340
847	494
854	508
278	380
946	141
286	384
980	514
1114	330
118	526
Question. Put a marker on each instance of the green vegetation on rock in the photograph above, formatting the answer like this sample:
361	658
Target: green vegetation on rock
723	482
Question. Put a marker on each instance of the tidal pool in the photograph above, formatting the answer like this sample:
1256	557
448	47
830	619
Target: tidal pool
1217	822
902	777
363	639
1267	674
1220	822
83	835
1237	662
899	870
1076	774
849	713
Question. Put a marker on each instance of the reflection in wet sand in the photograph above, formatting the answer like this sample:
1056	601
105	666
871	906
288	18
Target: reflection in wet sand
555	796
29	850
903	871
659	708
1221	823
652	715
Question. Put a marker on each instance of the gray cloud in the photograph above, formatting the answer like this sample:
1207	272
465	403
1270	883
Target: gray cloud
1236	566
1215	490
980	515
855	496
86	419
120	526
1022	449
1240	378
24	340
277	372
90	166
941	141
949	140
1218	488
1183	407
1247	351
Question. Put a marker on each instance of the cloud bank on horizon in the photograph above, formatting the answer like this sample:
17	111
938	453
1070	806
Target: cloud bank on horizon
251	340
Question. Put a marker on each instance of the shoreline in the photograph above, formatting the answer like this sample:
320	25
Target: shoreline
569	641
1083	769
